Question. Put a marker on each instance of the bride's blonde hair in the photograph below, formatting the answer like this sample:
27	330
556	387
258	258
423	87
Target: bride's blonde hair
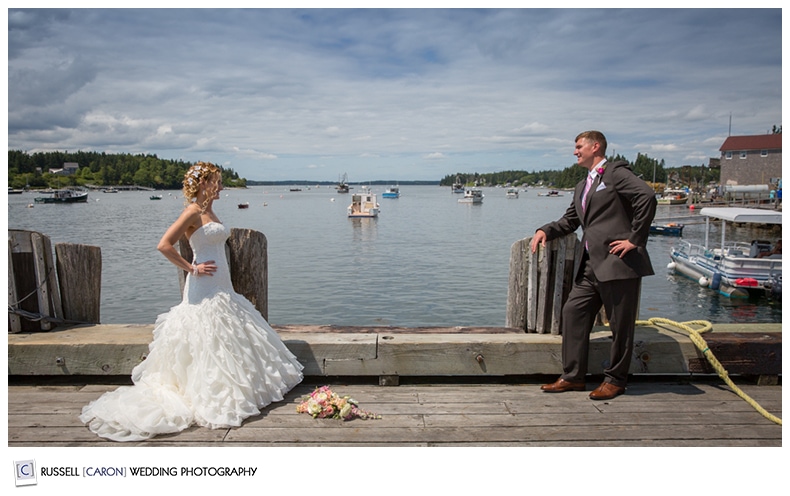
197	173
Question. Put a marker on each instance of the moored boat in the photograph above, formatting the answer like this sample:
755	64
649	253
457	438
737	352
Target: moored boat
64	196
512	193
458	186
472	195
735	269
244	205
391	192
669	229
363	205
155	197
552	192
342	184
673	197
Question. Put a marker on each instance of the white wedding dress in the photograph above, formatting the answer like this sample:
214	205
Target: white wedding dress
213	361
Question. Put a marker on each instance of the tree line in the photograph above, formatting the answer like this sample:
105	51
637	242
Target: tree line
34	170
653	171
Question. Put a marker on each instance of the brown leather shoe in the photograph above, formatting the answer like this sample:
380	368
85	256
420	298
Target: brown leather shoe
606	391
561	385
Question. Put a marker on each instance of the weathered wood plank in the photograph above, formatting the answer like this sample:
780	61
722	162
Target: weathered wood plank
650	414
518	279
44	271
14	322
742	353
79	269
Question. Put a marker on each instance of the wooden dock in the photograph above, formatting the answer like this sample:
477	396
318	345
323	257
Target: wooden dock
668	412
455	387
458	386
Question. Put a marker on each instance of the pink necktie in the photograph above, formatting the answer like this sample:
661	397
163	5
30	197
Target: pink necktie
586	189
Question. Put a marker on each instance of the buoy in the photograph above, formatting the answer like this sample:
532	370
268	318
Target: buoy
671	266
691	207
704	281
715	282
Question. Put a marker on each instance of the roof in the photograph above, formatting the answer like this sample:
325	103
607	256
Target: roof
758	142
739	214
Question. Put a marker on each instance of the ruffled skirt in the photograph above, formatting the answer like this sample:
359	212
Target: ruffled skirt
212	364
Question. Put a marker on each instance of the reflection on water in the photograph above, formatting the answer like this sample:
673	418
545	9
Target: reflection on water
426	260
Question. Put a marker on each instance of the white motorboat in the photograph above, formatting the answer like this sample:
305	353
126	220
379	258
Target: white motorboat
673	197
735	269
512	193
363	205
472	195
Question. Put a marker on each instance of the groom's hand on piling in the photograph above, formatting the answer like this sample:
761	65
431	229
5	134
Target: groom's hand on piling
538	238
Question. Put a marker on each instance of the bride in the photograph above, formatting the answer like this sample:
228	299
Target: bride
214	360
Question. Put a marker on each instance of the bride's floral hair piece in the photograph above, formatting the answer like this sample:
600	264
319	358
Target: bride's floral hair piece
194	176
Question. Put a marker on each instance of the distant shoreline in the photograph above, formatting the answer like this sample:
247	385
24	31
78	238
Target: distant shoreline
332	183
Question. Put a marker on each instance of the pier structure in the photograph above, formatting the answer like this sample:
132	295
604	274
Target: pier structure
55	329
456	386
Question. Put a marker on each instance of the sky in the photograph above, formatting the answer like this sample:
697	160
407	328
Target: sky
391	94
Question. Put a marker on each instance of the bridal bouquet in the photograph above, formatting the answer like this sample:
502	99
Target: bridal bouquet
325	403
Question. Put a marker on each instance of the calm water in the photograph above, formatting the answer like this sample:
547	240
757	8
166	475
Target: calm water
427	260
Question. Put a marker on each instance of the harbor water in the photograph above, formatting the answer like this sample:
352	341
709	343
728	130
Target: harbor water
427	260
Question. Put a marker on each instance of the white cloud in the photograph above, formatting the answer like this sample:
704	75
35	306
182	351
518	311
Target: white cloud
458	87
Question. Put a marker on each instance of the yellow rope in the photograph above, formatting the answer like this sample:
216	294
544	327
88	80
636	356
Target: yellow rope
696	337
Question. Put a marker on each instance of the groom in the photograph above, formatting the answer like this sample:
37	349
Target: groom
615	209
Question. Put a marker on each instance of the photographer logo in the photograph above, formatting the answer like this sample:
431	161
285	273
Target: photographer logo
25	472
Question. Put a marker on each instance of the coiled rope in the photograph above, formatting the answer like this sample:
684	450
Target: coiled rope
696	337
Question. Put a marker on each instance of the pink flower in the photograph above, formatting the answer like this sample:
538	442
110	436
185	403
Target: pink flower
600	169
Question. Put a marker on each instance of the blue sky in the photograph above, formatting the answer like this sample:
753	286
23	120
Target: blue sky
402	94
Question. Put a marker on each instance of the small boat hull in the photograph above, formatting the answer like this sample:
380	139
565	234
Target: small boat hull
65	196
473	195
667	229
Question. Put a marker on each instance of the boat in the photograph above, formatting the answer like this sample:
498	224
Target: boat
109	190
673	197
735	269
669	229
295	189
391	192
64	196
551	192
244	205
472	195
458	186
12	191
342	184
155	197
512	193
363	205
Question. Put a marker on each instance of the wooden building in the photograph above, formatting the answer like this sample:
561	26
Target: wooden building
751	160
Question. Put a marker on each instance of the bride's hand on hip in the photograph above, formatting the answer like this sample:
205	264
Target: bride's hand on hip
206	268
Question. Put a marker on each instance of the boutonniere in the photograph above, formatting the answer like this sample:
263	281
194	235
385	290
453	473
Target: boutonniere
600	169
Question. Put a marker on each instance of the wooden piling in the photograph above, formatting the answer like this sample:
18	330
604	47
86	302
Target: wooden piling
33	294
540	282
79	281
